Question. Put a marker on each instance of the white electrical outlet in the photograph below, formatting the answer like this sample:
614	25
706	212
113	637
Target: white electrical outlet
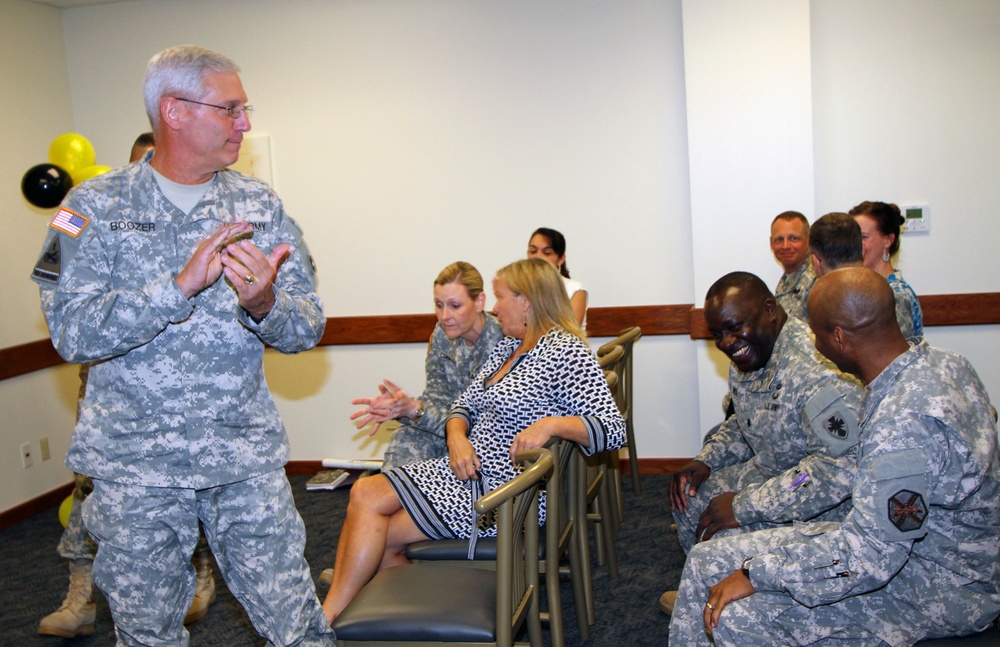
43	448
26	460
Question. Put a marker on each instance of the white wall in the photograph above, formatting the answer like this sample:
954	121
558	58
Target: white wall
406	134
905	97
750	146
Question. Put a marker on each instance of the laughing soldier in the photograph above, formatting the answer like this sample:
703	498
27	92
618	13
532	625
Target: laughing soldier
788	451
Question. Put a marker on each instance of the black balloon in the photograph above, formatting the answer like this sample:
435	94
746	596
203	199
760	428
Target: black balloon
45	185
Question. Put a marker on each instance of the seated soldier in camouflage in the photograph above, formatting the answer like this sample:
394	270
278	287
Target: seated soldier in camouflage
462	340
788	452
918	556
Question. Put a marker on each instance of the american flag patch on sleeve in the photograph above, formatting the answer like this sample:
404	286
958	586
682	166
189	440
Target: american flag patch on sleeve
69	222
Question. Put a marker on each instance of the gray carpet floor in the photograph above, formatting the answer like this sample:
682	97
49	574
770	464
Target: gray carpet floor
35	578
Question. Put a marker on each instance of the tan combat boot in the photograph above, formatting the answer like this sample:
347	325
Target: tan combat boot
204	591
76	615
667	602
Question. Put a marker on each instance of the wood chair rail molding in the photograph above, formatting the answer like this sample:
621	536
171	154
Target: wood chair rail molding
938	309
677	319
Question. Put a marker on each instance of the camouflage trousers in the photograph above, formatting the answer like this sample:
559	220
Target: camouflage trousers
728	479
146	537
408	445
764	618
76	543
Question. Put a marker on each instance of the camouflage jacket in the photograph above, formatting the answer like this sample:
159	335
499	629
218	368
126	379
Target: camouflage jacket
450	367
796	419
924	533
176	395
793	290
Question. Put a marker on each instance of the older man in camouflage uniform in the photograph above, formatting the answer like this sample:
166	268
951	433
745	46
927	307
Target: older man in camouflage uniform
919	555
140	276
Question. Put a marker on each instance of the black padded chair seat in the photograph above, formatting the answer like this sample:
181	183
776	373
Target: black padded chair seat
402	588
453	550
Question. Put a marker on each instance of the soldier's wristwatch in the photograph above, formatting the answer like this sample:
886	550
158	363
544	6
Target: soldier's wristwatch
418	414
746	567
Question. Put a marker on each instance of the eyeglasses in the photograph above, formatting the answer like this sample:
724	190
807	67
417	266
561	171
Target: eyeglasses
234	112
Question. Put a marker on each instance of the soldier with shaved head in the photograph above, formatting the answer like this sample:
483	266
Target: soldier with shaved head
918	556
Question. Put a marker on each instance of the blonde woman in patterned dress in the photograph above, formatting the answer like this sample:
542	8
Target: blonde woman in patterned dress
541	381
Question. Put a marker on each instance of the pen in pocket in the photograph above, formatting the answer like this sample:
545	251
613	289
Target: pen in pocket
800	481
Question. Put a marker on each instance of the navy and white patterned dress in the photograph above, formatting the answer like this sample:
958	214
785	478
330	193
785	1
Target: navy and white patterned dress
558	377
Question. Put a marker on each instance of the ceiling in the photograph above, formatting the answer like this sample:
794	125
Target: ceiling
63	4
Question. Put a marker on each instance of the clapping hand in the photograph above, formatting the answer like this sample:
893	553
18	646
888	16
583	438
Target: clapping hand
390	403
252	274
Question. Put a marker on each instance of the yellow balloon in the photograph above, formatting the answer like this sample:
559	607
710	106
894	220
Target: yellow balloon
64	509
87	172
71	151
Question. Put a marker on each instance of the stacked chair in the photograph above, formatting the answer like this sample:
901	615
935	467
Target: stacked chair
604	492
601	499
626	339
433	604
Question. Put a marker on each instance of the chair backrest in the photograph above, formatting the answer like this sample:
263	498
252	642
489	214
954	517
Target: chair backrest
516	503
559	517
611	358
613	362
626	339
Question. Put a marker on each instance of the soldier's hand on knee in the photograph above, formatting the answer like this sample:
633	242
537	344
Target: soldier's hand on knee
686	482
734	587
719	515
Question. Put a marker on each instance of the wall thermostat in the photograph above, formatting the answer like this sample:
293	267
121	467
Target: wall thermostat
917	218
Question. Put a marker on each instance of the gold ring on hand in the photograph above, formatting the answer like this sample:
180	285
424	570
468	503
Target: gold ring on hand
249	278
709	605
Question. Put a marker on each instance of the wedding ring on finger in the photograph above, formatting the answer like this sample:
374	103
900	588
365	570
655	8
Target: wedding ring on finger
709	605
249	279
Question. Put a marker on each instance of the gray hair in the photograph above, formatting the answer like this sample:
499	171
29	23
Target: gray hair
178	71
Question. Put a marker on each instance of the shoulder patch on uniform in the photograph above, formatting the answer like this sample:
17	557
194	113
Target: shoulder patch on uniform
833	421
69	222
907	510
836	426
899	481
49	263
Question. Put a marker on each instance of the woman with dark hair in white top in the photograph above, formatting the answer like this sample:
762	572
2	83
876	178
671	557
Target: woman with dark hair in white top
550	245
